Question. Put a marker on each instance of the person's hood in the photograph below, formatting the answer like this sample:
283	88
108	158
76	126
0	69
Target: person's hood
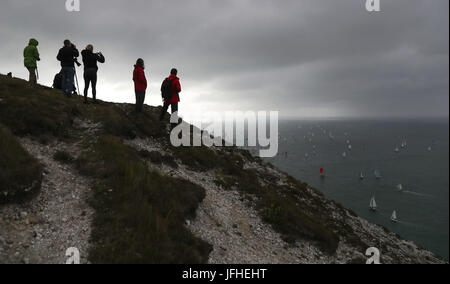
33	42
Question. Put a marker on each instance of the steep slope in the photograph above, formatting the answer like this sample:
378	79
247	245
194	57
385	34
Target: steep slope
140	200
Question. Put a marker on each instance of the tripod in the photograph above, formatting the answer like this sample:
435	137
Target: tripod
76	80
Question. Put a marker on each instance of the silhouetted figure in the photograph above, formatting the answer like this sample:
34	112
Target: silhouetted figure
140	84
90	60
170	90
31	55
68	57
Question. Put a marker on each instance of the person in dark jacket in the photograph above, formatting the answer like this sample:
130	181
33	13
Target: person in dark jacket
90	60
31	55
140	84
175	98
68	57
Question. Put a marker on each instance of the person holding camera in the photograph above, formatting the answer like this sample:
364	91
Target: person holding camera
68	57
90	60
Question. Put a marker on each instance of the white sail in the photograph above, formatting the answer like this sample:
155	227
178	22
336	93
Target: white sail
344	155
394	216
397	150
361	175
373	204
400	187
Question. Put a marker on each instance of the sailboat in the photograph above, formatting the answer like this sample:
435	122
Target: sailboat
397	150
373	204
350	147
400	187
377	174
344	155
361	176
322	173
394	217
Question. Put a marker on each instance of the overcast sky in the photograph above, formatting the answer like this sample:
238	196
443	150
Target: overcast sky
305	58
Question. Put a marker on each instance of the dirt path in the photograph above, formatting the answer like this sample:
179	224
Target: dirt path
41	230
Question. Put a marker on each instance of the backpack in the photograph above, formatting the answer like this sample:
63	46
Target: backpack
166	89
57	81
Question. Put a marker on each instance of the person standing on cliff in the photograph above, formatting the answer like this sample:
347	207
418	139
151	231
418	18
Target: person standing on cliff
90	60
140	84
170	91
31	55
68	57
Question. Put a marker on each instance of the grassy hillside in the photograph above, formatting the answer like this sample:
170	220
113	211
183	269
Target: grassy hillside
20	173
139	212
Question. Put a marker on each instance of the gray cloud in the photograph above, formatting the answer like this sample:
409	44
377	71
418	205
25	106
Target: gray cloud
304	58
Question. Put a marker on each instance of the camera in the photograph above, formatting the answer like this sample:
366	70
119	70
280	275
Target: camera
76	62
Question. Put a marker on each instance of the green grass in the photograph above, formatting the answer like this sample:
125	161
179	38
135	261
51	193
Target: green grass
44	112
294	222
196	158
158	159
35	112
205	159
20	173
139	214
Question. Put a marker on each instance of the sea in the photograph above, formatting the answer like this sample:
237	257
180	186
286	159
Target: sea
413	153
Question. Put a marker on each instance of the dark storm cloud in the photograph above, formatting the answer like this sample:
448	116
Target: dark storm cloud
306	58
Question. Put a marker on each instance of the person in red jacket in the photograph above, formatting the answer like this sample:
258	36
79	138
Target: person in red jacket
140	83
175	89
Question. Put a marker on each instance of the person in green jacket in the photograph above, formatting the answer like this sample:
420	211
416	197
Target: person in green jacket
31	55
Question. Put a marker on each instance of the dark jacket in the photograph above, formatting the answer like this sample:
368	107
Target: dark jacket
176	89
67	56
31	54
90	59
140	82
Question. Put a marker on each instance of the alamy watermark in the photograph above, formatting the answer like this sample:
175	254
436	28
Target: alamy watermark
374	255
373	5
73	255
213	129
73	5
